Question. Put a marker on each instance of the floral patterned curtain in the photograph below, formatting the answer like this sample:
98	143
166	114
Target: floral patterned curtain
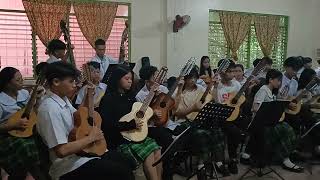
95	19
235	27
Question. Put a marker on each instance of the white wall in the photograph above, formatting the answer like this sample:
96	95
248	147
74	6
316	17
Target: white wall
152	27
193	39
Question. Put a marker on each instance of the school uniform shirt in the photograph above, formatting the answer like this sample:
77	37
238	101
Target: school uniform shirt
99	91
318	71
52	59
289	88
104	63
142	94
9	105
243	81
201	83
264	95
225	91
55	121
188	98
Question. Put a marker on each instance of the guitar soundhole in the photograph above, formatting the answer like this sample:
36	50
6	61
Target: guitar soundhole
163	104
140	114
233	101
90	121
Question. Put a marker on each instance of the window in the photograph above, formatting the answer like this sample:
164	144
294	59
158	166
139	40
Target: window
16	39
250	49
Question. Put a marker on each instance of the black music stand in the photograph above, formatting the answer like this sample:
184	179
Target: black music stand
268	115
210	116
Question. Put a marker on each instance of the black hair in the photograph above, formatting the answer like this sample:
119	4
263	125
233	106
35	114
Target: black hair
231	63
202	69
99	42
267	60
240	66
146	72
41	68
306	60
115	75
256	62
94	64
171	81
60	70
56	44
293	62
193	73
305	77
273	74
6	75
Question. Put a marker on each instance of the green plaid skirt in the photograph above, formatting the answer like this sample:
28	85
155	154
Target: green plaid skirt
281	139
138	152
203	141
18	153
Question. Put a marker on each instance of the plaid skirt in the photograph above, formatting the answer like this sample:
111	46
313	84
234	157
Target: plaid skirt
138	152
281	139
18	153
203	141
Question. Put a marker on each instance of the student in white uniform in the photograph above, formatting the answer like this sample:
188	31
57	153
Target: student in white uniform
55	121
279	139
17	155
56	50
223	92
100	88
289	86
101	57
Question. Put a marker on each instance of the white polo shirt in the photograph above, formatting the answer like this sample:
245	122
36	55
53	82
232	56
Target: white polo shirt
55	121
52	59
9	105
289	88
98	93
104	63
224	91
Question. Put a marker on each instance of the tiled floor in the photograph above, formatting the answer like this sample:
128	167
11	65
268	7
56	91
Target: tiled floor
285	174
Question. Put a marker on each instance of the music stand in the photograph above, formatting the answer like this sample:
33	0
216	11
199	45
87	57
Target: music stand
210	116
268	114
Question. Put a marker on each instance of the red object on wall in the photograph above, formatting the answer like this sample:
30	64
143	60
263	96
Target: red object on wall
180	22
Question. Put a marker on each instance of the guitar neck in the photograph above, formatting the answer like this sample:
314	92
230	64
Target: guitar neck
90	101
147	101
31	102
70	53
243	87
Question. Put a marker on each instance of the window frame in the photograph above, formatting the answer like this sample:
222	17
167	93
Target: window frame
34	36
247	63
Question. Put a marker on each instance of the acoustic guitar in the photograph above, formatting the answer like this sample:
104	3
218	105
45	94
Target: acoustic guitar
27	112
206	96
164	102
141	112
237	99
298	99
85	118
66	35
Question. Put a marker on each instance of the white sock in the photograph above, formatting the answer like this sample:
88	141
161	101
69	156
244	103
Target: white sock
245	156
287	162
219	163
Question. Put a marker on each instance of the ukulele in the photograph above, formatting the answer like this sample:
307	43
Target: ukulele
85	118
236	100
141	112
164	102
298	99
66	35
207	97
27	112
